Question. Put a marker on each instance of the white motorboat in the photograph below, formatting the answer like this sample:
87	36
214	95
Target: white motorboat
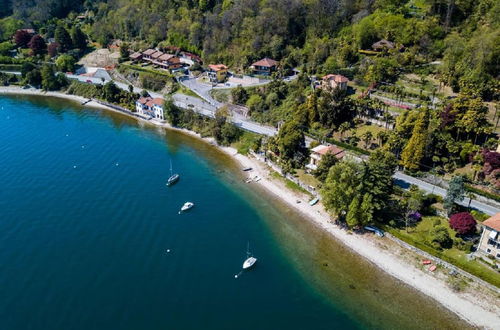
186	206
250	260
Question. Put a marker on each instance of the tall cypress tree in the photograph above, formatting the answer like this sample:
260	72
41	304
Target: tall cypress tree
414	151
63	39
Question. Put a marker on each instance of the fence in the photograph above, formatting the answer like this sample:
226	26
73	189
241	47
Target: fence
287	176
442	262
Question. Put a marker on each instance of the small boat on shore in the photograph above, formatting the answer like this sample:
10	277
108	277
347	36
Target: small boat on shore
314	201
250	260
246	169
248	180
186	206
173	177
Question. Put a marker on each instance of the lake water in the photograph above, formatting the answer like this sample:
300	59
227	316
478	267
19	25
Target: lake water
86	221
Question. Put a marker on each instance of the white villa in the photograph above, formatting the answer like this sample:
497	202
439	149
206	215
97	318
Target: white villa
151	107
318	152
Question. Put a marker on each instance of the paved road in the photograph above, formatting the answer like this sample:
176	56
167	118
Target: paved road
203	90
208	109
405	181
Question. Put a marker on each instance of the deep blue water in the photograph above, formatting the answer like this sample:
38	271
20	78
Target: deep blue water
86	247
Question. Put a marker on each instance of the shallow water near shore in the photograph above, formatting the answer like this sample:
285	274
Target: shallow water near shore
91	238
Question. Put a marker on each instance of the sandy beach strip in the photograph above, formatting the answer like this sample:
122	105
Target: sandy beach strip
483	314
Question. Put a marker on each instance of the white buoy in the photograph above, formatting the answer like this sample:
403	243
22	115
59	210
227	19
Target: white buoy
168	250
67	134
235	276
117	164
74	166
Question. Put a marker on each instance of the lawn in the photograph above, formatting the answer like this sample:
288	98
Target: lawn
290	184
307	178
246	142
186	91
419	236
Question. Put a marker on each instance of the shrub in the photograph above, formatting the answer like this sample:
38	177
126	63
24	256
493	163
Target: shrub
440	238
463	223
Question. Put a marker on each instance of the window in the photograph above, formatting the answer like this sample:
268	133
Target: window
498	255
488	250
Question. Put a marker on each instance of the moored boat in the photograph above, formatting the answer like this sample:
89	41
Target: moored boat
173	177
250	260
186	206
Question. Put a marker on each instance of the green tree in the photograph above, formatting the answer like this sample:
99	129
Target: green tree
292	144
367	138
66	63
455	192
63	38
49	81
33	78
327	161
440	238
239	95
171	112
414	151
341	187
78	38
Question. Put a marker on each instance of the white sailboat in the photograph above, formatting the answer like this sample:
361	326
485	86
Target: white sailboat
173	177
250	260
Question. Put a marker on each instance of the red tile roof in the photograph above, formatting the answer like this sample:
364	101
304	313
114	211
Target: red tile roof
217	67
156	54
493	222
143	100
149	51
266	62
338	78
135	55
165	57
334	150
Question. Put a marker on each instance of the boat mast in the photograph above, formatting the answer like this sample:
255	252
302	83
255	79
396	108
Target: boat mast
171	167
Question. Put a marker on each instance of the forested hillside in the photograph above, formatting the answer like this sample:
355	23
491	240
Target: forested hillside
321	36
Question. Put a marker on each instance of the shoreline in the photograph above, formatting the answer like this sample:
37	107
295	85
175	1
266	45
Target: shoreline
465	306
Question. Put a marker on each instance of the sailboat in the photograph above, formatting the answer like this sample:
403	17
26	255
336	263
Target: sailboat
250	261
173	177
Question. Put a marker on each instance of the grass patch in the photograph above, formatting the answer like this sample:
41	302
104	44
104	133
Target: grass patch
221	94
186	91
290	184
246	142
307	178
419	236
138	68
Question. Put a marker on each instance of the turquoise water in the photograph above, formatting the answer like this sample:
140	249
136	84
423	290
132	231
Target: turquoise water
86	222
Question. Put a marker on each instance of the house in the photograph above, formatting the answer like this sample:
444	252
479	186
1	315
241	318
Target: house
135	57
29	31
146	55
151	107
264	67
94	72
217	72
383	44
490	238
318	152
167	61
334	81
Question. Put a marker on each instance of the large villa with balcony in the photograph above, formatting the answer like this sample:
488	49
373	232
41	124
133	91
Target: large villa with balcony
318	152
490	237
150	107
